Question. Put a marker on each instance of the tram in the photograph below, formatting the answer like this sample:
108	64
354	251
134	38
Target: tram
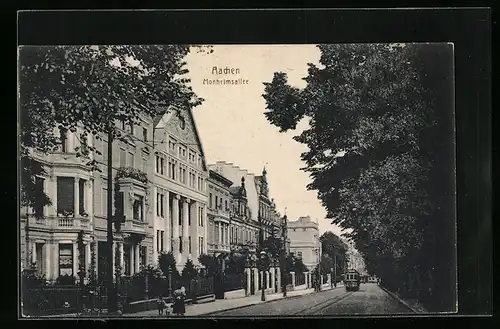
352	280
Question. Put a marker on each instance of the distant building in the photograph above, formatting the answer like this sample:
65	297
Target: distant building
304	241
251	206
219	202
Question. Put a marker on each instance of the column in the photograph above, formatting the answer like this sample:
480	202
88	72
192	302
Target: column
55	257
205	225
175	226
88	259
293	279
307	279
114	257
167	228
75	260
47	250
268	278
137	258
194	231
122	259
278	281
249	279
77	197
131	260
329	280
273	277
256	279
33	253
219	240
185	229
89	197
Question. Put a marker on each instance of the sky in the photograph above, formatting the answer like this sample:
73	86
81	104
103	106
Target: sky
233	128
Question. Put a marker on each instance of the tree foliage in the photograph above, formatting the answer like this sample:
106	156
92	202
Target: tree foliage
189	272
167	263
374	112
209	262
91	87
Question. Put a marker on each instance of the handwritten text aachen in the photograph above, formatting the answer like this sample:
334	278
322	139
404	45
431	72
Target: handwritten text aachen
225	71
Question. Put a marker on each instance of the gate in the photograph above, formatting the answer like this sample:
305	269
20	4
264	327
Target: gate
252	284
219	286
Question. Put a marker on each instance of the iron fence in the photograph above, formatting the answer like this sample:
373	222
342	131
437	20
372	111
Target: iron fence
48	300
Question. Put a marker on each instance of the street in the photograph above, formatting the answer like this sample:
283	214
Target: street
370	299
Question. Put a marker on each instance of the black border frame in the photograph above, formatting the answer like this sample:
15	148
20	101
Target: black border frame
469	29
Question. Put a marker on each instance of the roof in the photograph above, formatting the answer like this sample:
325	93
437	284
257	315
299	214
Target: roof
216	176
165	117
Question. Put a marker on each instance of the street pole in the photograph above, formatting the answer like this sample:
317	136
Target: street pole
111	293
335	269
283	256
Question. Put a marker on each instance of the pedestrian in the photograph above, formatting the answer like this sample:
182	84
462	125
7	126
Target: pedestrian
179	301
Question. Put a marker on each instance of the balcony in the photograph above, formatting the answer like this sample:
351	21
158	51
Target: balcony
127	175
219	212
134	227
59	223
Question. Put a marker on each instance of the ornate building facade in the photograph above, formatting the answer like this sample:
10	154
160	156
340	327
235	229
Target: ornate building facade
181	175
251	208
159	197
219	213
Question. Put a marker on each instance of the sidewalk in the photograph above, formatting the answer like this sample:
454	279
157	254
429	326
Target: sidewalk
229	304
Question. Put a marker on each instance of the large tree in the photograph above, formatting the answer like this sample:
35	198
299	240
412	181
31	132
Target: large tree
335	248
374	114
91	87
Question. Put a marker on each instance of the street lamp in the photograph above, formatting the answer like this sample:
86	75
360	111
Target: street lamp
263	258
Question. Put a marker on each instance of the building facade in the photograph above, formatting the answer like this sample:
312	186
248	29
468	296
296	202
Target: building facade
79	203
251	208
304	241
180	188
219	210
159	174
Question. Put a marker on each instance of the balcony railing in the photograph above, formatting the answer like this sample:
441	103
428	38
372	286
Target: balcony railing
70	223
132	173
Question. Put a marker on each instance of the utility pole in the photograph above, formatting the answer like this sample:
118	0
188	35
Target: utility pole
110	273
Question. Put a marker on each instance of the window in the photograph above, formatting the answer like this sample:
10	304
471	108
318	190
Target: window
81	196
180	244
144	255
65	196
66	259
157	240
189	244
123	124
144	134
131	129
304	229
63	135
160	197
200	216
226	207
38	209
299	254
160	164
145	165
161	240
171	169
104	201
120	204
200	246
210	201
130	161
182	122
171	144
216	201
138	208
123	162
